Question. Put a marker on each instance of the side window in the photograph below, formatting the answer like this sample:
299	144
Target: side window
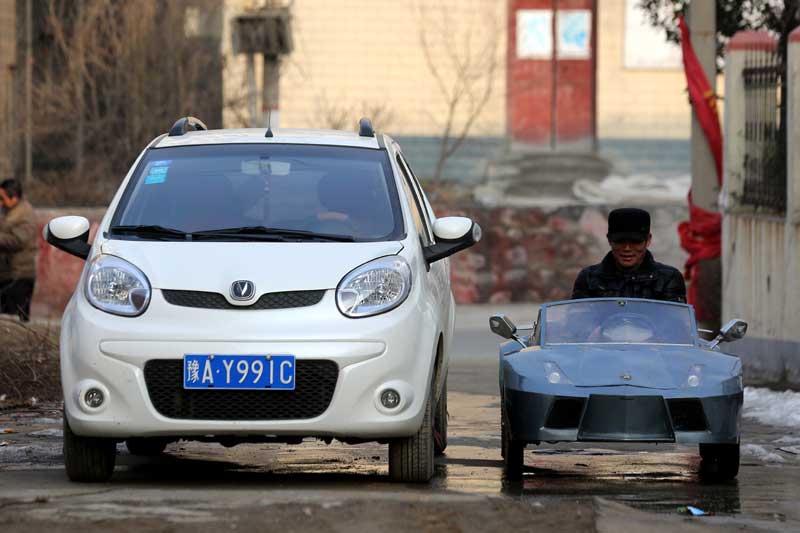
537	329
429	211
418	211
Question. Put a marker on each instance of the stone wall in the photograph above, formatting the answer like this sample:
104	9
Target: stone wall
57	271
526	254
534	254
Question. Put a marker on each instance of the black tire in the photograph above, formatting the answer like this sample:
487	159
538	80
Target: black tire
720	462
411	458
440	423
88	459
147	447
513	452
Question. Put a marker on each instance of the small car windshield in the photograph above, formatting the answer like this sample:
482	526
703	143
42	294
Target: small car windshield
617	322
314	189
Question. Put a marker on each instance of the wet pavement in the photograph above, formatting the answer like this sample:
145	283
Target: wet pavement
339	487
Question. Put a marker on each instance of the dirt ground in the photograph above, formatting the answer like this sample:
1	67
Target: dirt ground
29	367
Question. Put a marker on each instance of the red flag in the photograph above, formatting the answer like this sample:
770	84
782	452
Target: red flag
701	235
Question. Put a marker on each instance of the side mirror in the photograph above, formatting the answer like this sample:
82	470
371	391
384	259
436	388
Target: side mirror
732	331
453	234
503	326
70	234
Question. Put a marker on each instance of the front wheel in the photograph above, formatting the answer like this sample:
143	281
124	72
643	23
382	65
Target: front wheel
513	451
89	459
411	458
720	462
440	423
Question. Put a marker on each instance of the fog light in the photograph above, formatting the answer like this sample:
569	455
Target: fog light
693	380
94	398
390	398
554	377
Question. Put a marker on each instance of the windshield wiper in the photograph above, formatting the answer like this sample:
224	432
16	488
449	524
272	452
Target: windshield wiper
151	230
265	233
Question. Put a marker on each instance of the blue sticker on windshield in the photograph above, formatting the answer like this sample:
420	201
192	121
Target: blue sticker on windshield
157	172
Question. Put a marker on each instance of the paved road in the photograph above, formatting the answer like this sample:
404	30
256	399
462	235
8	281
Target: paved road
341	488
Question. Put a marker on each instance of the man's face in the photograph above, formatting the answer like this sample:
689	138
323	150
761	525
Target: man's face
8	202
629	253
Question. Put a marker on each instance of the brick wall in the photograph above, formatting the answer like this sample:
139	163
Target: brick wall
359	53
352	55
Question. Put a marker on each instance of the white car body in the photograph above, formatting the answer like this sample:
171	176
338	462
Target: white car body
406	348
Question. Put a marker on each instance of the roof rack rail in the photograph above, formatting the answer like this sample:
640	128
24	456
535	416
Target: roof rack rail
184	124
365	128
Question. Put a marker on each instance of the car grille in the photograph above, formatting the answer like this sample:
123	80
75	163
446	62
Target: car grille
565	413
315	381
620	418
687	415
270	300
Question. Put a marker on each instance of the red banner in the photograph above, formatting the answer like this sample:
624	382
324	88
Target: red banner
701	235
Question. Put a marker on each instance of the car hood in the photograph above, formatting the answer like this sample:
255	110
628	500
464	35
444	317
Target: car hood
272	266
654	367
640	367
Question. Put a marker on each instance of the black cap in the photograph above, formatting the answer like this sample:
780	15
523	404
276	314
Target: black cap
628	223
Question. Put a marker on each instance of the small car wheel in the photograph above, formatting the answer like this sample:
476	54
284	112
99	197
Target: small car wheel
88	459
720	462
440	423
411	458
148	447
513	452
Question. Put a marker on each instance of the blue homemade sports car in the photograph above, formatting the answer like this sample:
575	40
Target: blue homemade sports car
620	370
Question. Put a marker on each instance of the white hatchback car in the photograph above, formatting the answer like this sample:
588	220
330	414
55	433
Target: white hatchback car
258	286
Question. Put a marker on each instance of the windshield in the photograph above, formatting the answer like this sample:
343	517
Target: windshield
618	322
320	189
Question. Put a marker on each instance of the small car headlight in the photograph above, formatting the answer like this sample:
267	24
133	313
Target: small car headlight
116	286
374	287
554	374
695	376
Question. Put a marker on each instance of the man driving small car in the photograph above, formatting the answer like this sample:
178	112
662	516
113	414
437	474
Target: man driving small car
629	270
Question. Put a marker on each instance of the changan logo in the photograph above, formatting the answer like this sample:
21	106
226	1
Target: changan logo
243	290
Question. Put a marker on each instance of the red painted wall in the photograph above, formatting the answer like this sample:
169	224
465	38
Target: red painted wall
537	114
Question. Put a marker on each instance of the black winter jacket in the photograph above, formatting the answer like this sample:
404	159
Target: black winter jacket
651	280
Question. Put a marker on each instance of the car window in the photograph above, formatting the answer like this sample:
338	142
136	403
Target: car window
428	209
417	210
321	189
618	322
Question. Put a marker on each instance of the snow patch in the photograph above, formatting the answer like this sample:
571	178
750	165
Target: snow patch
787	440
772	408
761	453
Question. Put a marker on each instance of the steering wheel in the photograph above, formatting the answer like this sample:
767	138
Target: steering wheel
631	320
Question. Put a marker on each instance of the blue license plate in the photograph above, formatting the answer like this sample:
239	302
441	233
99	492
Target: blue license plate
238	372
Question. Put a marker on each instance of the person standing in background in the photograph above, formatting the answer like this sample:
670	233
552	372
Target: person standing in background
18	247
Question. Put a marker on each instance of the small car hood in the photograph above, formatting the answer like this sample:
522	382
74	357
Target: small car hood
640	366
272	266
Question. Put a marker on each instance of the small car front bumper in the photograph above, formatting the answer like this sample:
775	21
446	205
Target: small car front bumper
623	414
392	350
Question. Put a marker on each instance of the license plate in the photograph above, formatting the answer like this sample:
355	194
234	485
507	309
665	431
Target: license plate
212	371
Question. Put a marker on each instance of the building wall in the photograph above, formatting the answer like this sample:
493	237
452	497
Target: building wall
635	102
362	57
7	58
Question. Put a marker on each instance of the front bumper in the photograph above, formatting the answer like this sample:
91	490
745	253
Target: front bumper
623	414
396	349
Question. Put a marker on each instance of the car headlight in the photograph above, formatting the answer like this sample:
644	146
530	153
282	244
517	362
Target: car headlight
695	376
116	286
554	374
374	287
